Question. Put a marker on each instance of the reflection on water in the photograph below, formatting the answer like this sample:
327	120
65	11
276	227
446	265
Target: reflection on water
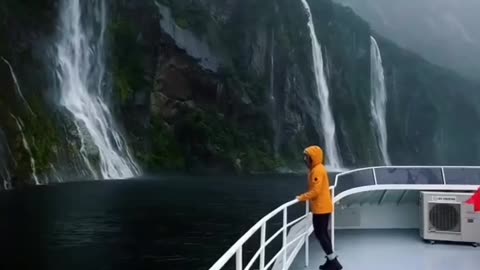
174	223
78	231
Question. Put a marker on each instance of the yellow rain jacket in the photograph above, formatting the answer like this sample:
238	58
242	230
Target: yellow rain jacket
319	185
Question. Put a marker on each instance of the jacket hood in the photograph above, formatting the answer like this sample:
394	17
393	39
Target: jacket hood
316	155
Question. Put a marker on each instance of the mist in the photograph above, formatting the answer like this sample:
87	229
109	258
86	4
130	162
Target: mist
444	32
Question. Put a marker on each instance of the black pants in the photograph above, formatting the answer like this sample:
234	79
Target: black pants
320	228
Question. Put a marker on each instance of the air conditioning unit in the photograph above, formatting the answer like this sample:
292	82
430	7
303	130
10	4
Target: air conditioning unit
444	216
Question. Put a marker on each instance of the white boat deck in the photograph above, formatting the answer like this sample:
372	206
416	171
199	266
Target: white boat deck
376	209
392	250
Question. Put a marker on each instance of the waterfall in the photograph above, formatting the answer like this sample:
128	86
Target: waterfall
328	124
6	178
27	148
5	155
17	86
83	89
6	148
55	173
378	99
272	68
272	96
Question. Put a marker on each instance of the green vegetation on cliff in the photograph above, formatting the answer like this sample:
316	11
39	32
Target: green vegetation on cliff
44	137
223	136
166	153
127	69
39	131
209	137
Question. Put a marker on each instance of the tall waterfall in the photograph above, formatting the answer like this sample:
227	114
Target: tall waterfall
276	135
26	145
328	124
17	86
378	99
84	88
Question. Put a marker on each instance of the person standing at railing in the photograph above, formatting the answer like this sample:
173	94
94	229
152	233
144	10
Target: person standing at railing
320	199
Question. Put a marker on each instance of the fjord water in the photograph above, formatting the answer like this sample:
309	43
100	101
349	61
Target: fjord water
169	223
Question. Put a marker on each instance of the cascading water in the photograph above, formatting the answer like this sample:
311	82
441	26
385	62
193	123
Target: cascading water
55	173
17	86
328	124
378	100
27	148
5	156
6	178
83	88
276	135
272	67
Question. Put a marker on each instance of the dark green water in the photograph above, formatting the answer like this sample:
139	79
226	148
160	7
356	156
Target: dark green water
165	223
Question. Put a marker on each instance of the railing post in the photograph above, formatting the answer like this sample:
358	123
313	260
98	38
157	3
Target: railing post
332	223
263	233
307	238
375	176
443	176
284	246
239	259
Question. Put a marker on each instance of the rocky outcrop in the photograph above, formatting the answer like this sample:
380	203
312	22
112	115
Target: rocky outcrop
196	47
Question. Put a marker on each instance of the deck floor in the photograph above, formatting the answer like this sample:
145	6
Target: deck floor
392	250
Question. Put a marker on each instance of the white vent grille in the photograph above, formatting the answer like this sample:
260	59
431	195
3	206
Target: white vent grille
444	217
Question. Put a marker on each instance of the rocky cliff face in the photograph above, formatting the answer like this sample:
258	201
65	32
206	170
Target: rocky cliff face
229	90
431	111
444	32
25	114
226	85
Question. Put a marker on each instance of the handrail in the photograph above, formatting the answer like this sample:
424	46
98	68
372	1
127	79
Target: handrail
391	186
401	167
267	242
286	246
237	250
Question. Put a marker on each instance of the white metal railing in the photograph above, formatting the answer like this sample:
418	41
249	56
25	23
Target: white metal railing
442	168
443	186
237	248
373	169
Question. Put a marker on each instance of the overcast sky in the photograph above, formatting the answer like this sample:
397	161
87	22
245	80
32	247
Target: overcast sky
445	32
